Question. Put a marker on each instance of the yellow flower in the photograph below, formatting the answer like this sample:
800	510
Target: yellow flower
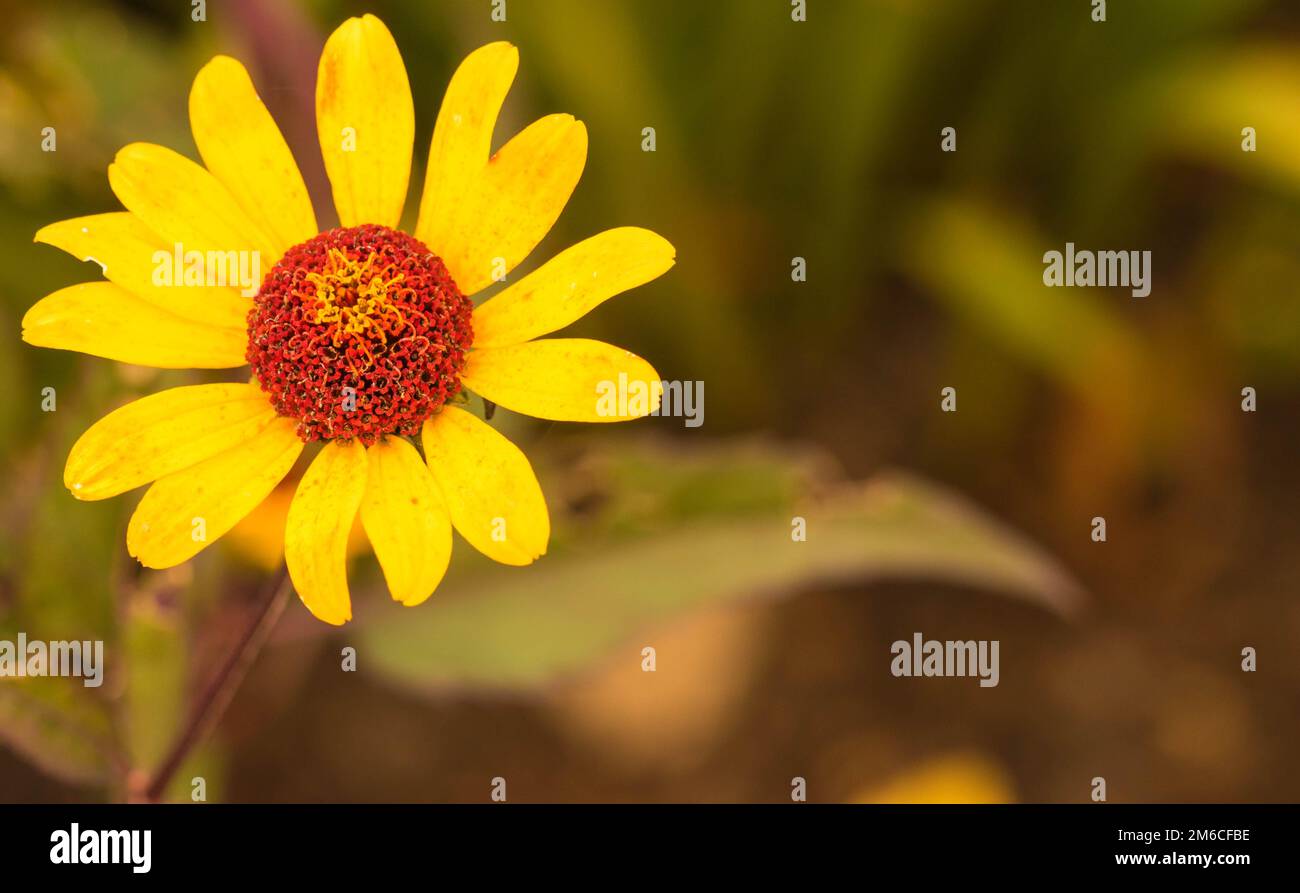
358	336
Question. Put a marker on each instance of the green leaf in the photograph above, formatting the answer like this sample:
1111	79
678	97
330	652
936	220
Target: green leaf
513	629
55	556
57	724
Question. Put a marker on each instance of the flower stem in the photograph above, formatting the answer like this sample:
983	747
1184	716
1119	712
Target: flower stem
212	703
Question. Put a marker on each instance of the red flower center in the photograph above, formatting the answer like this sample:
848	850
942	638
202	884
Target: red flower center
359	332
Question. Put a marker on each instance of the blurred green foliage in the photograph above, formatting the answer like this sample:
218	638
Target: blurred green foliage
502	630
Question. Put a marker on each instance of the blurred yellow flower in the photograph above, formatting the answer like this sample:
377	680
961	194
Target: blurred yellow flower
258	538
957	778
358	336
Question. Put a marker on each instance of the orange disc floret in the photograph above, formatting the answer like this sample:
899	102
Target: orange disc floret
359	332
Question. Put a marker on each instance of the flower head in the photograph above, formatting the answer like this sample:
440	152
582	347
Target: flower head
364	308
361	338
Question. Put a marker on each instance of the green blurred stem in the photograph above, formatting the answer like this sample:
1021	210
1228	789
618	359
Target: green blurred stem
216	696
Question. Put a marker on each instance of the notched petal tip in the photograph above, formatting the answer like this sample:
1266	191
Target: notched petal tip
321	611
73	473
213	68
75	488
221	60
352	27
669	249
522	554
535	553
49	233
516	559
414	600
577	125
504	49
324	616
533	547
663	252
143	557
32	320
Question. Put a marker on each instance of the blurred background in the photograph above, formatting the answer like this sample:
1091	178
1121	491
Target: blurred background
775	140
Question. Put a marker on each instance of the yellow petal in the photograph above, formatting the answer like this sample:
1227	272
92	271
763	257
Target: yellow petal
565	379
512	204
365	120
185	511
568	286
166	432
406	521
462	139
102	320
184	204
316	529
244	149
488	487
131	255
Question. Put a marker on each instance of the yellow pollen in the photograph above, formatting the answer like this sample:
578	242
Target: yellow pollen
355	298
